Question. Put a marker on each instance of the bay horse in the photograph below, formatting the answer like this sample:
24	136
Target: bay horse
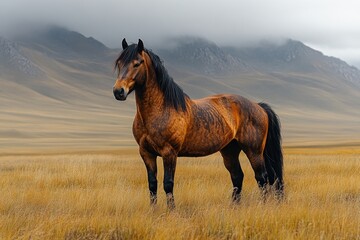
170	124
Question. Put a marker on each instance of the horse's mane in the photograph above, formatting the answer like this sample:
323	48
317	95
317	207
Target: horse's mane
173	94
126	56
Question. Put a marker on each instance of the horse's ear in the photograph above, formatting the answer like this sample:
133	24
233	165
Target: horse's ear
124	44
140	46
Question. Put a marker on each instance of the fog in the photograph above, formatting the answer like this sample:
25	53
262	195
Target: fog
332	27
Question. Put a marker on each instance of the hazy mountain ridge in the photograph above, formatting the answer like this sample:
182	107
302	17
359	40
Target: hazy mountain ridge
350	73
291	56
203	56
60	42
71	103
12	57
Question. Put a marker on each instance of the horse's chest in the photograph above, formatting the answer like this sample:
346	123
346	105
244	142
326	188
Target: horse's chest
159	133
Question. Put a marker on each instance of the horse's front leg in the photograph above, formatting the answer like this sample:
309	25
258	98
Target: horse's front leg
151	167
169	160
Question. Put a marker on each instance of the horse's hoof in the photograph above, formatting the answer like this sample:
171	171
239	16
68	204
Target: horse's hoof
153	199
170	201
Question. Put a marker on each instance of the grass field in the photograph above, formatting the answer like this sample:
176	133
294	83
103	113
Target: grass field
105	196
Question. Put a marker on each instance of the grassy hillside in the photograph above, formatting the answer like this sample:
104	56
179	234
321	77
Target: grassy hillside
105	196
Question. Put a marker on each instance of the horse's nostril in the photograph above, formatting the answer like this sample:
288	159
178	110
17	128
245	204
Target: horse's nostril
119	94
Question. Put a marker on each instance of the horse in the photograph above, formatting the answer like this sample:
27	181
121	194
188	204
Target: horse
169	124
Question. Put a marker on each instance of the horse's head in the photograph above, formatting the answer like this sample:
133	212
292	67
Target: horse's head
131	69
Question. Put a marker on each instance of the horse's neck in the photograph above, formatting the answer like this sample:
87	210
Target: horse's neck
149	98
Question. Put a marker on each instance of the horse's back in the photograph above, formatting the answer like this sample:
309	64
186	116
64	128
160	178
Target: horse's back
247	118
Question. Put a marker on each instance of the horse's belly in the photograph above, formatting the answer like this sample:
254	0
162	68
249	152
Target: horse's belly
203	146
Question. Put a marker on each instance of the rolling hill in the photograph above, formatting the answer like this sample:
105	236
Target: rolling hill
56	90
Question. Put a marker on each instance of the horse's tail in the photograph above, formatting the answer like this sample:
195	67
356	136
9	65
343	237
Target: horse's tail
273	153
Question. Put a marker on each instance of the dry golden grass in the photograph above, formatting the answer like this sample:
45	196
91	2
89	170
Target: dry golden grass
105	196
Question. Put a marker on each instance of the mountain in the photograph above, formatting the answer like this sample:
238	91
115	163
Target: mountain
294	56
60	42
56	89
202	56
206	57
11	58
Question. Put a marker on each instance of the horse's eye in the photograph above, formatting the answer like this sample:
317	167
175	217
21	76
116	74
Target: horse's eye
137	64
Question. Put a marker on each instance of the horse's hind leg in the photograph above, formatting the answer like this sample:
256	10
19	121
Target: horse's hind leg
230	154
258	164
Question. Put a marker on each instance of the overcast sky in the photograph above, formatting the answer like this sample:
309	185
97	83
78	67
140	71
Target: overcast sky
332	27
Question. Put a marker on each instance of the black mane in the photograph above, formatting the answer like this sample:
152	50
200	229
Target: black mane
174	95
126	56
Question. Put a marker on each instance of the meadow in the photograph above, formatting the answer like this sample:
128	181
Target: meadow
104	195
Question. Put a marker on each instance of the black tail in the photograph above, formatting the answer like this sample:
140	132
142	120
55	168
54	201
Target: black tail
273	153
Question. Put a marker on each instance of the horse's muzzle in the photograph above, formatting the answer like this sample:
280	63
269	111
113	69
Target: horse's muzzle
120	94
